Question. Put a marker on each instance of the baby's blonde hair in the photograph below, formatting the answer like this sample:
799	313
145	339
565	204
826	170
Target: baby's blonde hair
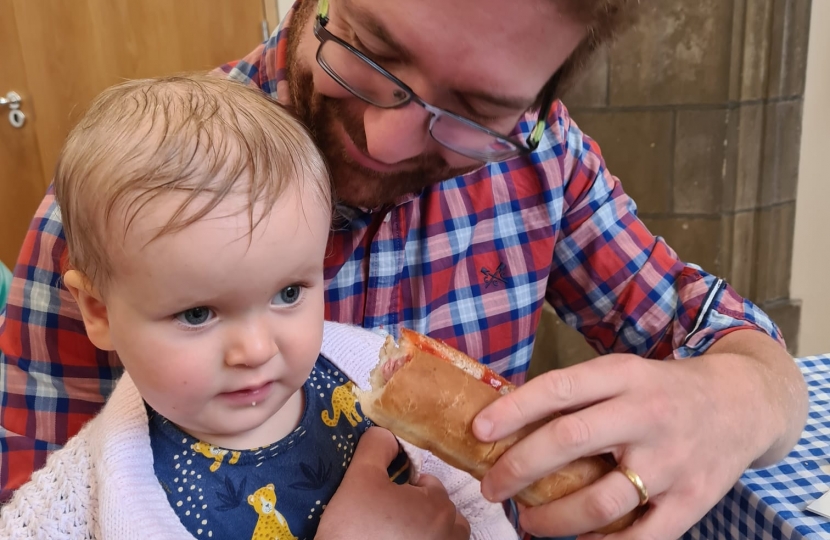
198	135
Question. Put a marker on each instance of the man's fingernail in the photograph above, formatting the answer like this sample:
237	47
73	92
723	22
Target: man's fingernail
483	427
486	490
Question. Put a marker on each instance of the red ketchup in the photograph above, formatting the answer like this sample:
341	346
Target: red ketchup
489	376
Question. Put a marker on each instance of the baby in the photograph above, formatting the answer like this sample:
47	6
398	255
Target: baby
197	214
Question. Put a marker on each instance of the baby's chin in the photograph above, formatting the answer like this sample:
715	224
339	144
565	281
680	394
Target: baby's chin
256	425
242	434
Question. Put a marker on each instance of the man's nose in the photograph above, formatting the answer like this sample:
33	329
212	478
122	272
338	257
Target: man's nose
394	135
251	343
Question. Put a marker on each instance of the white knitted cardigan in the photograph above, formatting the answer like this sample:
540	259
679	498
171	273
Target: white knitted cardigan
101	485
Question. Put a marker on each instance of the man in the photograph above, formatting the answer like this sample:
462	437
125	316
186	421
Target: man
407	100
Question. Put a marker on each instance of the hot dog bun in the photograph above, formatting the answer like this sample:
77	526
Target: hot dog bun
430	401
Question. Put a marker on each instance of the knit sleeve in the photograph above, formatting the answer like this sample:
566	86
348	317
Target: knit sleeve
57	502
353	349
487	520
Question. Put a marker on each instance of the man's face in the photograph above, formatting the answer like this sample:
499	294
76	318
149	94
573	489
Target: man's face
483	59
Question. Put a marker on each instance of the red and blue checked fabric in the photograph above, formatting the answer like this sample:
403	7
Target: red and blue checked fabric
470	260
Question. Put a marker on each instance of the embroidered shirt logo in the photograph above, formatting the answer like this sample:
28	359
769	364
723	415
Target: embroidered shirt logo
494	278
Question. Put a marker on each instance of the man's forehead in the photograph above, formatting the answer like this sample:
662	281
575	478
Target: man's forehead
363	15
497	48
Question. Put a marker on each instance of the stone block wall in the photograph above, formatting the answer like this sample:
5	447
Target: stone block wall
698	112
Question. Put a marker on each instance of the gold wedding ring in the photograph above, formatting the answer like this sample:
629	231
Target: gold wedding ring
637	482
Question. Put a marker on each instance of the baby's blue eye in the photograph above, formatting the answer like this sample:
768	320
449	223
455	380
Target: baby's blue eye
195	316
288	295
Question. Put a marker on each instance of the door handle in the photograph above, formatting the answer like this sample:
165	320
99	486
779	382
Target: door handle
12	101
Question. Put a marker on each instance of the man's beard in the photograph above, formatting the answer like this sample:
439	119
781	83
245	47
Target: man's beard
327	118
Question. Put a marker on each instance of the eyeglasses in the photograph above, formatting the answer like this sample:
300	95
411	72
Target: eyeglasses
368	81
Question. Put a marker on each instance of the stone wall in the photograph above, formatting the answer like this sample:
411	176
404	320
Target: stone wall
698	112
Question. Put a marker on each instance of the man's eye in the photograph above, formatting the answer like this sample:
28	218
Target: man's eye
195	316
380	58
288	296
485	119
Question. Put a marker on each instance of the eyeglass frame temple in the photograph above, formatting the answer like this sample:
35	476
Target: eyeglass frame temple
545	107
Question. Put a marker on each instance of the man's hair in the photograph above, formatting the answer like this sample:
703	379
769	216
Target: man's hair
200	136
605	20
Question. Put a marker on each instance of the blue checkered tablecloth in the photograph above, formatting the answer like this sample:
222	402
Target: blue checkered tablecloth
769	504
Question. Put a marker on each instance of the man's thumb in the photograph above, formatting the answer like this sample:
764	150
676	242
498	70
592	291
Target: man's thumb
377	447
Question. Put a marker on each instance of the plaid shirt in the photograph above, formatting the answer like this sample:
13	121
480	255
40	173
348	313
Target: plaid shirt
470	260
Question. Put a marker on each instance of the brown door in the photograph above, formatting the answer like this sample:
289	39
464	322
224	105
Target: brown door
58	54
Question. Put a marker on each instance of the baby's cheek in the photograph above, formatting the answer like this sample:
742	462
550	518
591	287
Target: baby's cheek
186	392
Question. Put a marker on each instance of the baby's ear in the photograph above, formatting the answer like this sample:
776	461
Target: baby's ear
93	308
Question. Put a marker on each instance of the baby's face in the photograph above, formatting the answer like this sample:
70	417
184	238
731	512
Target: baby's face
219	329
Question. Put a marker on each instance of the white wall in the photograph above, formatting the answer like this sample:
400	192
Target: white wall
811	251
284	5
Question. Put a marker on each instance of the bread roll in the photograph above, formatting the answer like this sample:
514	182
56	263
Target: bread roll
428	394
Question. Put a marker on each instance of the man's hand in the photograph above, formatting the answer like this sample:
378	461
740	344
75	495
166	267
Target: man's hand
689	428
368	506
